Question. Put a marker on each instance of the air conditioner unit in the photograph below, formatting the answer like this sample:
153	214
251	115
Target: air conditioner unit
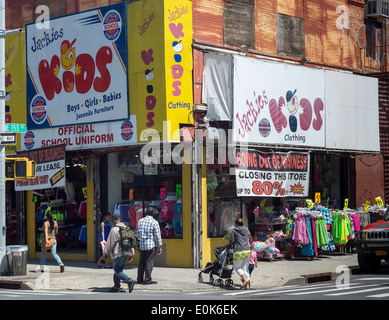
378	9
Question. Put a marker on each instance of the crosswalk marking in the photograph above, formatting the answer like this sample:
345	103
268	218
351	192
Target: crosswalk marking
280	290
380	295
378	287
334	288
17	293
327	289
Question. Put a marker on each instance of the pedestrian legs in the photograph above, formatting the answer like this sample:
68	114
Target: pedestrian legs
119	275
146	264
54	254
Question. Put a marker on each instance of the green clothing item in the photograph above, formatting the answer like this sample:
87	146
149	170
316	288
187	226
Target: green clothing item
321	231
341	227
288	229
241	255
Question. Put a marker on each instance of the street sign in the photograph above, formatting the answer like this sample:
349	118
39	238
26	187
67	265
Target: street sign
7	138
15	127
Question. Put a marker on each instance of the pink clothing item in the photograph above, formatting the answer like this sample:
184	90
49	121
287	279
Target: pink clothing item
357	224
253	257
167	210
300	231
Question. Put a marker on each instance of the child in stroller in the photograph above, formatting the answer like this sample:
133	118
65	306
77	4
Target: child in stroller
222	266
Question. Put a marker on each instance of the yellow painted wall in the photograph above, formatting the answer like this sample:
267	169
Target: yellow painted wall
160	66
15	84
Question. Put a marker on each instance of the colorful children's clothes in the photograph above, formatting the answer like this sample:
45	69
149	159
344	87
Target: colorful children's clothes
300	231
321	231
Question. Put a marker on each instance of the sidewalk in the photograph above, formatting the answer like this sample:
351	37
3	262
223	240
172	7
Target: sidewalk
86	276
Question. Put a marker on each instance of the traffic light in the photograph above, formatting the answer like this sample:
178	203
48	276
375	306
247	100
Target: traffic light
20	169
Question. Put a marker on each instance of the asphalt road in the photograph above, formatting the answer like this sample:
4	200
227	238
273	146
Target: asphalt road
358	287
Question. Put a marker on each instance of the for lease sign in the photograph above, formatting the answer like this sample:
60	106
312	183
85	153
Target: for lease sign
50	168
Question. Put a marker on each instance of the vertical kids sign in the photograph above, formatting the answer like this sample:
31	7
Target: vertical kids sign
77	69
160	66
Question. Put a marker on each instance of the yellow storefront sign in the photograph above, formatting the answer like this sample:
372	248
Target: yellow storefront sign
15	83
160	67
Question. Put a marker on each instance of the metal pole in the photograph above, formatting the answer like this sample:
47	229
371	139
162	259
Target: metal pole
3	263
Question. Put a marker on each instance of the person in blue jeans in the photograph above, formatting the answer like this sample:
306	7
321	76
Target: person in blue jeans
120	258
105	228
50	227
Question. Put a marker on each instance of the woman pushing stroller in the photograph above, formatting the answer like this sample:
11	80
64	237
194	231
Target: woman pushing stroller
240	238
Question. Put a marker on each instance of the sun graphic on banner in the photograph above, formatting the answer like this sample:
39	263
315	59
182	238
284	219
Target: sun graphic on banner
297	189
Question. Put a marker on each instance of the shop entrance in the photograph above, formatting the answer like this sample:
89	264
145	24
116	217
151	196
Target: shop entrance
69	208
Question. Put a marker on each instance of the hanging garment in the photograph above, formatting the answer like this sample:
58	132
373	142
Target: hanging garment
321	231
82	210
300	231
330	247
289	228
177	219
314	236
307	249
341	227
167	210
357	224
328	218
135	213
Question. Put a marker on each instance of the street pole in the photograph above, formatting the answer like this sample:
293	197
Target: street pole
3	262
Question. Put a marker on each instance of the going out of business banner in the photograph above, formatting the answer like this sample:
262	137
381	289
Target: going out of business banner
50	168
280	174
77	69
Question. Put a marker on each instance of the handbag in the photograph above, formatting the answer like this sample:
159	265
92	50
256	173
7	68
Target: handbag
45	246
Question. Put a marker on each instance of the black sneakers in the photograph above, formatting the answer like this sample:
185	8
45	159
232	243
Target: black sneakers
131	286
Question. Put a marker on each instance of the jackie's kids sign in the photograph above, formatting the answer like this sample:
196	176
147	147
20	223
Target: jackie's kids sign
77	69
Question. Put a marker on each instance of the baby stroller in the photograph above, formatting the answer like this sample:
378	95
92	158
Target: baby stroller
222	267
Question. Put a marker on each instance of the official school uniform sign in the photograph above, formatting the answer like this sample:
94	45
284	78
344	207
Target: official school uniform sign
77	69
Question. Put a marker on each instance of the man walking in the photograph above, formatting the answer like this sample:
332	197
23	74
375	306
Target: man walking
150	243
114	249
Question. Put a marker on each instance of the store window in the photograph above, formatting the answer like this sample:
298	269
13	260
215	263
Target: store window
224	207
155	185
68	207
330	179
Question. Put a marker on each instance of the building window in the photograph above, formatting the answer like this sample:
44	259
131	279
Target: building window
290	36
239	23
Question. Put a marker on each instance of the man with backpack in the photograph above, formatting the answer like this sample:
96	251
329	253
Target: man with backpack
120	245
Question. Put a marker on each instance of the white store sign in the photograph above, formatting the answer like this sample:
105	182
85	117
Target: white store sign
278	103
86	136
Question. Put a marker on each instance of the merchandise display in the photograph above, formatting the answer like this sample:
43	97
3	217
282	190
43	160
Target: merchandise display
168	214
68	206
